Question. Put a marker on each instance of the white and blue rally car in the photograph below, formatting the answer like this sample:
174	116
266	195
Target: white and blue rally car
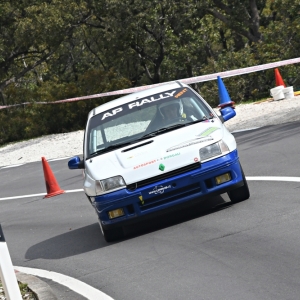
153	150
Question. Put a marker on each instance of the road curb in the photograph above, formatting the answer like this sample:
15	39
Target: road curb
42	290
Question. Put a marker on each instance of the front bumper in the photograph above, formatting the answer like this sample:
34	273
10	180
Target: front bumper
170	192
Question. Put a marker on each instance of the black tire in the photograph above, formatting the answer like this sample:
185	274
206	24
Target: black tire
241	193
113	234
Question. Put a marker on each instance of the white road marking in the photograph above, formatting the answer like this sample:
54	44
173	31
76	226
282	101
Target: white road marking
23	196
12	166
74	191
241	130
273	178
49	160
75	285
37	195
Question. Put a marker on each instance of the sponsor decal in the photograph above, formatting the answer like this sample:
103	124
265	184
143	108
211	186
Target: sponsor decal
161	167
156	160
190	142
145	164
159	189
141	199
136	155
208	131
172	155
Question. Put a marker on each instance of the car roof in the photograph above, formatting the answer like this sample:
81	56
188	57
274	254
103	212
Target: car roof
134	96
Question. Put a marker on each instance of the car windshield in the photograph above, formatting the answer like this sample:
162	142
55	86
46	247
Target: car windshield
144	118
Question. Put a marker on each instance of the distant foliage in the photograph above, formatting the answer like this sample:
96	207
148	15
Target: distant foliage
53	50
29	121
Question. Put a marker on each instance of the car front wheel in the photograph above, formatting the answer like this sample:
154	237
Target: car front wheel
241	193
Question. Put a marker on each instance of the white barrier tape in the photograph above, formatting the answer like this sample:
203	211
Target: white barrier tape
190	80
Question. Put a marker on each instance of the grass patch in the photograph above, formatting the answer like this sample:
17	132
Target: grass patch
26	293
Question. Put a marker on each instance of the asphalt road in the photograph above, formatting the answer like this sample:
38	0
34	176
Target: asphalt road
214	250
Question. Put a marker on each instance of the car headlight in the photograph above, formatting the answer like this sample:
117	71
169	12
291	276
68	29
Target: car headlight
109	185
213	150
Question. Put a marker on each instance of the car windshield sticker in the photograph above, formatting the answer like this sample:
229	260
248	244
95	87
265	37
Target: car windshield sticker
159	189
189	143
151	99
208	131
112	113
181	93
138	103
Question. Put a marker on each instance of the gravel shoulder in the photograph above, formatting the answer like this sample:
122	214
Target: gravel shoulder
65	145
260	114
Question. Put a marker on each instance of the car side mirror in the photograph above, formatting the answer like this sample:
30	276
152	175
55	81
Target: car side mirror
227	113
75	163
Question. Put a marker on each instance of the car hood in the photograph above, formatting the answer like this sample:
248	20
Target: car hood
163	153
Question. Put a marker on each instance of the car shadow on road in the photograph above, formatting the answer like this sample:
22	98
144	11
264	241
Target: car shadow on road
73	242
203	208
89	238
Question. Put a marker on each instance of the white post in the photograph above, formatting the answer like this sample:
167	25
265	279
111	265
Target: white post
7	273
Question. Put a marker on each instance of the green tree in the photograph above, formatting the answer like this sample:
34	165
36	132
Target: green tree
31	33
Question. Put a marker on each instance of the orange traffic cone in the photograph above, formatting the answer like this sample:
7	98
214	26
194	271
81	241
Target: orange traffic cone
278	78
52	186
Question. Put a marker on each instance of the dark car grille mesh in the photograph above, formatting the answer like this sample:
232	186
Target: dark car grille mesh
163	176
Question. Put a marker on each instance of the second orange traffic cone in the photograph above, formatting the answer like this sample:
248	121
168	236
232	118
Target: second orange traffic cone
52	186
278	79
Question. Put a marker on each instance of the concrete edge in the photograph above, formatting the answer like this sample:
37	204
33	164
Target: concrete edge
41	289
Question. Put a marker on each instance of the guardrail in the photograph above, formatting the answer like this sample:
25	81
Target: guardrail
7	273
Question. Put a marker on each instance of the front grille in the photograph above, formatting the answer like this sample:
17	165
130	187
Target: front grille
163	176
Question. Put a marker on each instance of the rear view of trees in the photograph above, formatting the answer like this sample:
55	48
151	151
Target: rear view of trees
54	49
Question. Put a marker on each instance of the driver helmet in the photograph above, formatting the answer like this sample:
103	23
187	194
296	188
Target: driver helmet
177	103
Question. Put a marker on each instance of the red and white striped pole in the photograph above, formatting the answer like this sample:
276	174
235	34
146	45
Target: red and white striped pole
7	273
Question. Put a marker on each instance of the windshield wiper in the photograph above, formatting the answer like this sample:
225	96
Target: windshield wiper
109	148
205	118
169	128
161	130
